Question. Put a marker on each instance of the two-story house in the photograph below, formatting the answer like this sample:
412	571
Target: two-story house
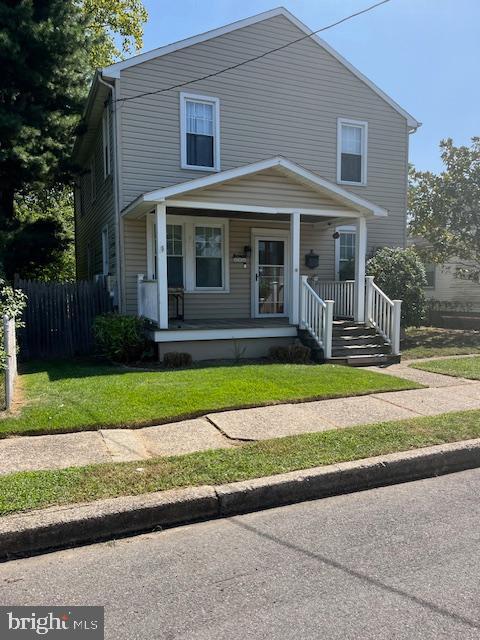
233	184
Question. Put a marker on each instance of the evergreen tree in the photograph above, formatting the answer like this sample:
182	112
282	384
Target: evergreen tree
44	65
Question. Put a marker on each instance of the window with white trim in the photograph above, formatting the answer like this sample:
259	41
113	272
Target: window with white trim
197	253
105	252
209	258
175	255
200	132
345	253
352	151
107	168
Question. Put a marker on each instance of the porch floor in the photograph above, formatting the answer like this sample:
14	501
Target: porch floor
233	323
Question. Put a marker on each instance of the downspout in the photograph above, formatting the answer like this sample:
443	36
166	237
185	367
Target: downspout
116	191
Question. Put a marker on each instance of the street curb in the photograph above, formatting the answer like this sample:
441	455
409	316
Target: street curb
58	527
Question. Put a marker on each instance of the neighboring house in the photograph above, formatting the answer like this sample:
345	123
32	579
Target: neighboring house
453	299
211	200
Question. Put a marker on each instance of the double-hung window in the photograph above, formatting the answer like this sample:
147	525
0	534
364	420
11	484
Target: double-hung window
352	151
200	132
175	255
209	257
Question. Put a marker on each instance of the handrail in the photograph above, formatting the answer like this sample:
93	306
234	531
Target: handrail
342	292
383	314
316	316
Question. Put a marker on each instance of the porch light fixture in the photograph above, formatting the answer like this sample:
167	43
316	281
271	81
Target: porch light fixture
336	235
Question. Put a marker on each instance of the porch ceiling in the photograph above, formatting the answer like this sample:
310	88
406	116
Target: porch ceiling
274	186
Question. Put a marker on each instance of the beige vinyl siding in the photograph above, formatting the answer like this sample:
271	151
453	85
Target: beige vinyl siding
96	214
284	104
236	303
269	188
135	248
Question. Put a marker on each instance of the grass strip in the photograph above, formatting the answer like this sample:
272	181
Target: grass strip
35	489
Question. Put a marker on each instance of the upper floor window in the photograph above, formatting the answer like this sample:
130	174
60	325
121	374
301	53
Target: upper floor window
106	142
200	132
352	151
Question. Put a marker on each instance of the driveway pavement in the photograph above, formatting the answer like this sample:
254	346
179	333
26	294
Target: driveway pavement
230	428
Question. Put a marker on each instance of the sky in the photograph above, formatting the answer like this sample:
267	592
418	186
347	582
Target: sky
425	54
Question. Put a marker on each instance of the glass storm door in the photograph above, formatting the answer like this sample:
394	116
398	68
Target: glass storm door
270	277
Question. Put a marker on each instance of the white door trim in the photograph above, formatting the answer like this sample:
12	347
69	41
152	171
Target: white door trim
269	234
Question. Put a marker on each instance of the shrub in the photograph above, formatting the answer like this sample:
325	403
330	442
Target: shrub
293	354
120	338
177	360
401	275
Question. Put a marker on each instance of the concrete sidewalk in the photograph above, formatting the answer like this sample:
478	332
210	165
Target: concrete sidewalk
230	428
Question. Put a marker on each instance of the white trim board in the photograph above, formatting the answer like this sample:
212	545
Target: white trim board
222	334
114	70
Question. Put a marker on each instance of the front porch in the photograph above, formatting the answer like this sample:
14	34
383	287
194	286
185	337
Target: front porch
246	271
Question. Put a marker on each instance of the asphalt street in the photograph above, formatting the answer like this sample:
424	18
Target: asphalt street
397	562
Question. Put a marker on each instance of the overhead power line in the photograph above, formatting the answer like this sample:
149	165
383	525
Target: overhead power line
261	55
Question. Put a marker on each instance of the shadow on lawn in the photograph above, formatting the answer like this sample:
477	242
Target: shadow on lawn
433	337
94	367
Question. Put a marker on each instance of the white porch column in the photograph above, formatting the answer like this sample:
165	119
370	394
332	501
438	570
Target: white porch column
161	265
295	261
360	257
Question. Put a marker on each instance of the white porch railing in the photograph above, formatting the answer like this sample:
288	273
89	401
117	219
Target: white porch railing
342	292
147	298
383	314
316	316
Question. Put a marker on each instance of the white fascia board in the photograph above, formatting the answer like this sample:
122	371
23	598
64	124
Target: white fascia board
114	70
312	179
185	335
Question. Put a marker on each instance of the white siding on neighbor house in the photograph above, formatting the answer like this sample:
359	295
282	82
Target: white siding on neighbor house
236	303
97	213
268	188
286	103
448	288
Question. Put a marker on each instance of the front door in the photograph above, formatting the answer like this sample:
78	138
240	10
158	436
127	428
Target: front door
270	282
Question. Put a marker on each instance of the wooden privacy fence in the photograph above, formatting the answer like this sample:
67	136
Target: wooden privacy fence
59	317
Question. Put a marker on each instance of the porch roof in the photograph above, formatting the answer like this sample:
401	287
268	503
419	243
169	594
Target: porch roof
342	203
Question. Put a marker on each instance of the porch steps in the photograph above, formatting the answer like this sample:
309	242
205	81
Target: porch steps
353	344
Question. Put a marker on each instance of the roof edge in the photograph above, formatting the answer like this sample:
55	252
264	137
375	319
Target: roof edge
160	195
114	70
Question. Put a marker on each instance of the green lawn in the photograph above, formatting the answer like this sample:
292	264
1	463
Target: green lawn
35	489
459	367
430	342
69	396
